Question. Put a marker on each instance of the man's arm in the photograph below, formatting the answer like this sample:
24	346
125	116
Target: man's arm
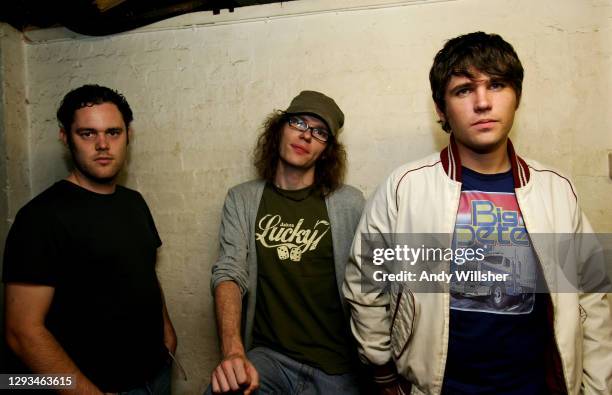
370	321
597	344
597	322
229	284
170	340
26	308
234	371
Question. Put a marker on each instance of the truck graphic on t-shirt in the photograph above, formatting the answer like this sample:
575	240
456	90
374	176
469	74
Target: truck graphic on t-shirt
519	274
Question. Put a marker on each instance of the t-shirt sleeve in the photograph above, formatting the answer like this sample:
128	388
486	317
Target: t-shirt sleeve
151	222
31	253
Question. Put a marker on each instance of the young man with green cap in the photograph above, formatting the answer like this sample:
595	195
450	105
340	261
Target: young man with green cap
284	241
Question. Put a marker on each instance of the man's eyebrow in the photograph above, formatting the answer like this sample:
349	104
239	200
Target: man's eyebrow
498	79
467	84
85	130
317	124
113	129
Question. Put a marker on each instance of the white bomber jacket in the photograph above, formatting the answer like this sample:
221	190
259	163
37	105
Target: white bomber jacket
411	329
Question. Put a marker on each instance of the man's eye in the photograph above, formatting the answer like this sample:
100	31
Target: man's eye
462	92
497	85
86	134
320	132
114	132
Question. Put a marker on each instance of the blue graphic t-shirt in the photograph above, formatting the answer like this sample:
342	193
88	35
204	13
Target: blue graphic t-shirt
497	332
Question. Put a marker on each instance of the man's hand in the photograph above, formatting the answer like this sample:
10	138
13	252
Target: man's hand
399	387
235	372
170	343
170	340
387	381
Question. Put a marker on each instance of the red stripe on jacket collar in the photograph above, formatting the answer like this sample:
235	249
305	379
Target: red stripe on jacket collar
451	162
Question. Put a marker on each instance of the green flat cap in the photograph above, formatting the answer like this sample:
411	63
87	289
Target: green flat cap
324	107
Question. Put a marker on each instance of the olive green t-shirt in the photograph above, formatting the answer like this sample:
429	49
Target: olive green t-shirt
298	310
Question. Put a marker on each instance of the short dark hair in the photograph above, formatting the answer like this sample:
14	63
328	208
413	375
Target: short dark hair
90	95
487	53
330	168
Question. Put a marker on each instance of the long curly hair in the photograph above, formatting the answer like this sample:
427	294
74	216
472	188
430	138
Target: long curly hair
330	168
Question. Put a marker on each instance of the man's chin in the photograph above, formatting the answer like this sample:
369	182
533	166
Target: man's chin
483	147
297	165
102	179
98	175
105	180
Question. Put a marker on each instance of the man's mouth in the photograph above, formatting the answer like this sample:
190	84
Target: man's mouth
103	160
299	149
484	122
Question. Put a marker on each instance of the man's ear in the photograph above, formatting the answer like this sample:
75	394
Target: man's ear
130	133
441	115
63	135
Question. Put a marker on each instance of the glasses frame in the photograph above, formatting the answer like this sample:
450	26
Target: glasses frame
314	131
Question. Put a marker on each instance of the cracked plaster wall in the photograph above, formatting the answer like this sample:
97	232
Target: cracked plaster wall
14	139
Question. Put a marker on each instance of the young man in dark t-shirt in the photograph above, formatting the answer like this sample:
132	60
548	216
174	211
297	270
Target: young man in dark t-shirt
82	294
284	241
521	334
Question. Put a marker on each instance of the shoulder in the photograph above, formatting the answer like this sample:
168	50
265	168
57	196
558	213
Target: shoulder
346	197
128	192
349	192
542	175
414	171
131	198
416	167
47	202
247	189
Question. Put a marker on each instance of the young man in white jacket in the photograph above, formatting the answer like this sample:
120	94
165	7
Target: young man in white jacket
492	338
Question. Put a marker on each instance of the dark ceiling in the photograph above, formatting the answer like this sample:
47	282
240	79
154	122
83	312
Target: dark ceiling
102	17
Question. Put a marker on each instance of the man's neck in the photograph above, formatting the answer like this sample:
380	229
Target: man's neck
76	177
493	162
291	178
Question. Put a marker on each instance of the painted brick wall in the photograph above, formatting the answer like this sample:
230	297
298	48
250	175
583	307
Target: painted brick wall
199	94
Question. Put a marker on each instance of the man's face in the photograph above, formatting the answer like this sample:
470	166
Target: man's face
98	142
299	149
480	111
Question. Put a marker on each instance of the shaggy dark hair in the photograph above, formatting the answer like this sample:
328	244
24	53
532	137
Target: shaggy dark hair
487	53
330	168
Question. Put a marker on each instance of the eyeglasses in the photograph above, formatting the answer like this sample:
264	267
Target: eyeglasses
300	125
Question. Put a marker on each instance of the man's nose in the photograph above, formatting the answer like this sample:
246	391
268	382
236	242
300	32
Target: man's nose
483	99
307	134
101	142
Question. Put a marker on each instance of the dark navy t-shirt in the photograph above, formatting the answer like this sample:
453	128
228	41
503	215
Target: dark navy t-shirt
498	329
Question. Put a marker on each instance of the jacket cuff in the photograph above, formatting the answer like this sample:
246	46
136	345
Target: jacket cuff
386	374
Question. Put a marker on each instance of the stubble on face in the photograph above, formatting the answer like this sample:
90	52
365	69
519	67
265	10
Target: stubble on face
298	149
98	145
480	110
298	155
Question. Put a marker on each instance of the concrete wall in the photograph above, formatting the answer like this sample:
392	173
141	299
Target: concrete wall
200	85
14	139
